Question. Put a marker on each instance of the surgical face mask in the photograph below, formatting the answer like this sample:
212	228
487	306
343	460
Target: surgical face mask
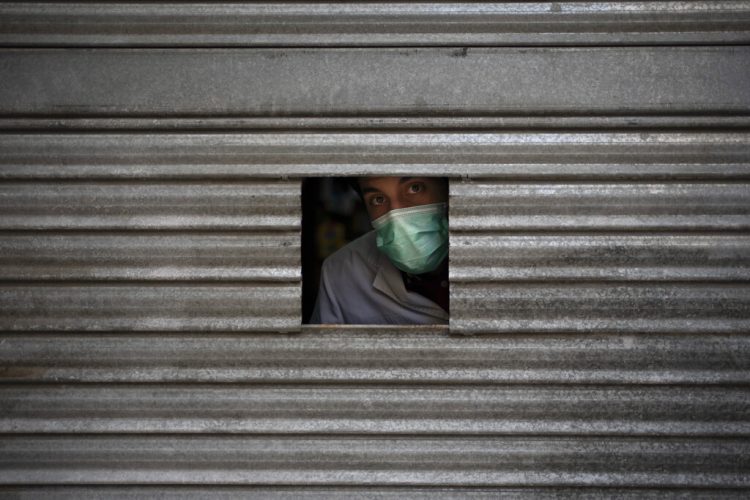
415	239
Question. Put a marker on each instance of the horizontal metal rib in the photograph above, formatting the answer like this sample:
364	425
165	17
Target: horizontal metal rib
350	355
335	124
327	24
318	492
413	410
383	461
152	307
622	206
250	155
149	206
325	82
659	257
600	307
144	256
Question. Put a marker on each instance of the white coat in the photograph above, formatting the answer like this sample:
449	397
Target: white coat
359	285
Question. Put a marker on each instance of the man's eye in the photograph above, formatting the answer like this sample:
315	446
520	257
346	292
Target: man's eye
377	200
416	188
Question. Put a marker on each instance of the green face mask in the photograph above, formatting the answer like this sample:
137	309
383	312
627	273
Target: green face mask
415	239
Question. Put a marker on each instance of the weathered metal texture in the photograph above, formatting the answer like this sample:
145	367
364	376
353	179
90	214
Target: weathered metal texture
605	307
405	123
61	241
367	406
612	257
320	460
367	24
146	256
277	82
556	206
608	272
368	409
130	492
604	229
205	158
129	306
149	206
423	356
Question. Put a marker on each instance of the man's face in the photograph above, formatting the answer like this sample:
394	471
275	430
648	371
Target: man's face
383	194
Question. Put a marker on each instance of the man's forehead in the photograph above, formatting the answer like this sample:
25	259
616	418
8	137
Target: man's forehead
383	180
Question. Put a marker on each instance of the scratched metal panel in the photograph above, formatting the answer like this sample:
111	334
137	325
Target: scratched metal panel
425	356
556	206
623	257
367	24
273	82
143	256
161	247
612	257
607	307
318	492
594	411
141	206
149	205
370	409
391	460
134	306
237	156
404	123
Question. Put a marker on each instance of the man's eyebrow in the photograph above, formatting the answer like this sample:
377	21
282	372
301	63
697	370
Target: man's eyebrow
401	180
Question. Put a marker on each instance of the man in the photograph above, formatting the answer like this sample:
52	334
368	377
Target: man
397	273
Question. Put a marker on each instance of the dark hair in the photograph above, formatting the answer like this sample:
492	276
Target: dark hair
353	183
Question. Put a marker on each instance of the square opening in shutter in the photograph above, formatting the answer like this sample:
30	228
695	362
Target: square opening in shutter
375	250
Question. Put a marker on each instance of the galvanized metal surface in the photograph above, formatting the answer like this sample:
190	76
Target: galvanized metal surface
51	265
420	356
208	158
146	206
405	123
387	460
667	411
510	206
277	82
608	273
146	214
145	256
370	409
149	206
600	307
360	492
133	306
367	24
610	257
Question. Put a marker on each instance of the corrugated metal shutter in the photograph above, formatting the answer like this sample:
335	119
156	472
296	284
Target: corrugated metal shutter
151	158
